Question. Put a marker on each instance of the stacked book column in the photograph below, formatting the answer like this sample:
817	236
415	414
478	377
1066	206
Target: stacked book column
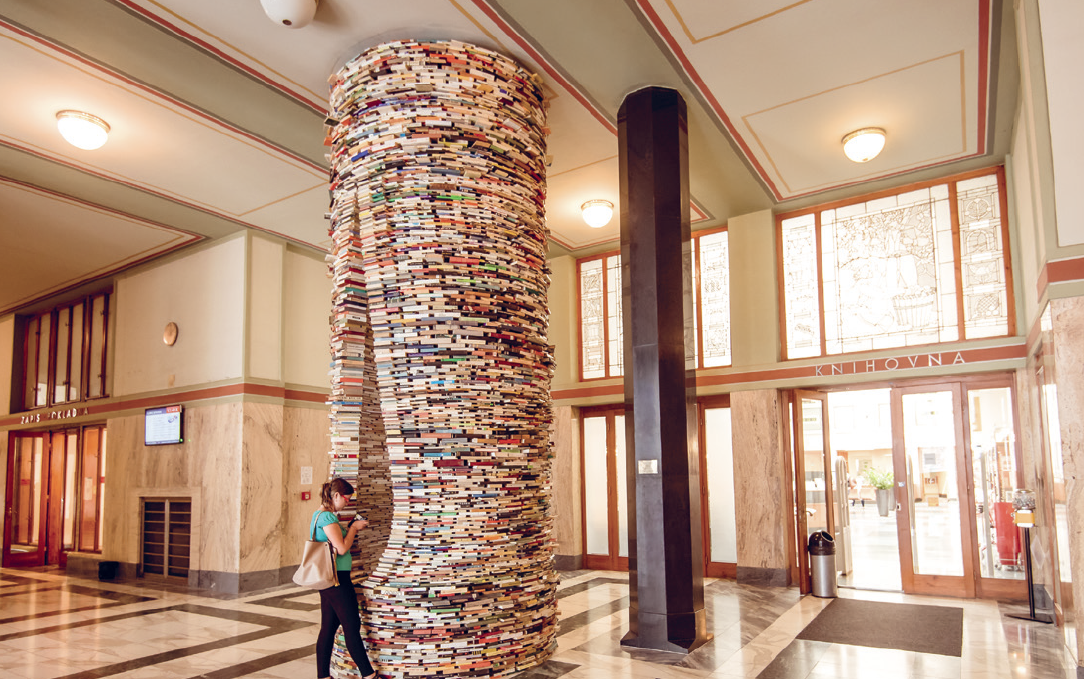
438	184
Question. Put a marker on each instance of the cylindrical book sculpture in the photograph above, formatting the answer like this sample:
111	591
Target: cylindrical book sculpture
438	175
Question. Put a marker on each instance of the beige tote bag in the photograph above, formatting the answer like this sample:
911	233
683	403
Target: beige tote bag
317	569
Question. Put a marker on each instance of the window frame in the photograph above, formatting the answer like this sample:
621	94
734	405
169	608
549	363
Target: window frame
605	315
32	348
950	182
697	305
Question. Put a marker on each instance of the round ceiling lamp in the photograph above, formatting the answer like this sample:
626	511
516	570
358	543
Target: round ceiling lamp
82	130
597	213
863	145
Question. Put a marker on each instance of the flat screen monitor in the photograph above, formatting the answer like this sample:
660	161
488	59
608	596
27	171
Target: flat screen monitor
163	426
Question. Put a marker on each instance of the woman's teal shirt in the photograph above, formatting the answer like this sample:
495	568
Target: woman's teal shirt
325	518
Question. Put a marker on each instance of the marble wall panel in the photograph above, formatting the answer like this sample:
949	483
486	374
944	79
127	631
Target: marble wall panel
760	479
305	442
1067	317
213	435
120	515
241	466
568	528
261	519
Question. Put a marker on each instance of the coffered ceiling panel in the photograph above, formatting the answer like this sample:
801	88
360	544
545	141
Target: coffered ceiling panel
82	242
804	74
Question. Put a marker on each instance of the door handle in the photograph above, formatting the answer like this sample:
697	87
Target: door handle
899	507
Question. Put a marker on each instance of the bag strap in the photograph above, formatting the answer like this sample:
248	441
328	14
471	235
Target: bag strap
313	536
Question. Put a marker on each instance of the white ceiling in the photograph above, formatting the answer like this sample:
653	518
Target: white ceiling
217	113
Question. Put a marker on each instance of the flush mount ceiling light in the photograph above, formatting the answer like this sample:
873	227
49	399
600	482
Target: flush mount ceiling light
82	130
597	213
864	145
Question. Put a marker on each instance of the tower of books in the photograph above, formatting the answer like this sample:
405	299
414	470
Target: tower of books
438	183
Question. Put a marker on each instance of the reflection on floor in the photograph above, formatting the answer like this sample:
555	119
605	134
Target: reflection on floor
52	626
875	555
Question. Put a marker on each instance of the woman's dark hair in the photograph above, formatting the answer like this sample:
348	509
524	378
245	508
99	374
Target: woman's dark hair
335	485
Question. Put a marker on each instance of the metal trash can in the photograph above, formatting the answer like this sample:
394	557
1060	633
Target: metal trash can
822	564
107	570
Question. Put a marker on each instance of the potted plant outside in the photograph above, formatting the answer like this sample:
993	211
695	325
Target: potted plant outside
881	481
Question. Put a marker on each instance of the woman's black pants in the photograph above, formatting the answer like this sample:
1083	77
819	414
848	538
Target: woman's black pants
339	606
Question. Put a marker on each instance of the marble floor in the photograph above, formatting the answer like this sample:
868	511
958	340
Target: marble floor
53	626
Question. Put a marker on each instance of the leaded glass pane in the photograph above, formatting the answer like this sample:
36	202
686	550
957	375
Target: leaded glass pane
715	298
886	274
697	276
63	333
982	257
592	324
613	315
800	291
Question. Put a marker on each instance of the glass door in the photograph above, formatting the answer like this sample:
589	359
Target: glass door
814	497
604	487
933	498
998	547
54	497
24	524
720	538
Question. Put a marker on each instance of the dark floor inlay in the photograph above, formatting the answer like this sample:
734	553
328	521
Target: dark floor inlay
584	586
574	622
285	601
246	668
81	623
273	626
115	599
547	670
795	661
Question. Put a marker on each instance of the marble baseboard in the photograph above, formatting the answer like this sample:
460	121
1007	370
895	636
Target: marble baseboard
568	562
235	583
86	566
763	577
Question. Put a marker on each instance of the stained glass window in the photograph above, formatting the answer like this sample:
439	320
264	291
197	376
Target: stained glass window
713	297
592	321
982	256
803	309
601	328
888	270
613	315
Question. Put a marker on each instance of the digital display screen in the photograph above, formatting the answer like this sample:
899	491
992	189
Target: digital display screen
163	426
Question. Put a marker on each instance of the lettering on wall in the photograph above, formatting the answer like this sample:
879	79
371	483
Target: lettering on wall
890	364
53	415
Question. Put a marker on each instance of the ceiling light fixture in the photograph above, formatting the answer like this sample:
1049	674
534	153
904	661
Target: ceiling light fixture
82	130
864	145
597	213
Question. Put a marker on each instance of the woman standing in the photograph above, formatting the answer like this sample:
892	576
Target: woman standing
339	604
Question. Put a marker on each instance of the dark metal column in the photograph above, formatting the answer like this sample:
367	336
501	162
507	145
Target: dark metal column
666	563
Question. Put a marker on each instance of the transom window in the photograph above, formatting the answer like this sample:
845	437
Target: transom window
923	266
66	352
601	339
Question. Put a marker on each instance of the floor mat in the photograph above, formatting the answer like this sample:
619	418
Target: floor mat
908	627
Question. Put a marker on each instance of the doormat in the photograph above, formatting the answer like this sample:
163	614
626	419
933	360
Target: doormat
907	627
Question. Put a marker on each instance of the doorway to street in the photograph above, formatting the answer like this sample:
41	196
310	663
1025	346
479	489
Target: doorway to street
919	480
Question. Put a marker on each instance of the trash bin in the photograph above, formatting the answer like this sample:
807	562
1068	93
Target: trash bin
107	570
822	564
